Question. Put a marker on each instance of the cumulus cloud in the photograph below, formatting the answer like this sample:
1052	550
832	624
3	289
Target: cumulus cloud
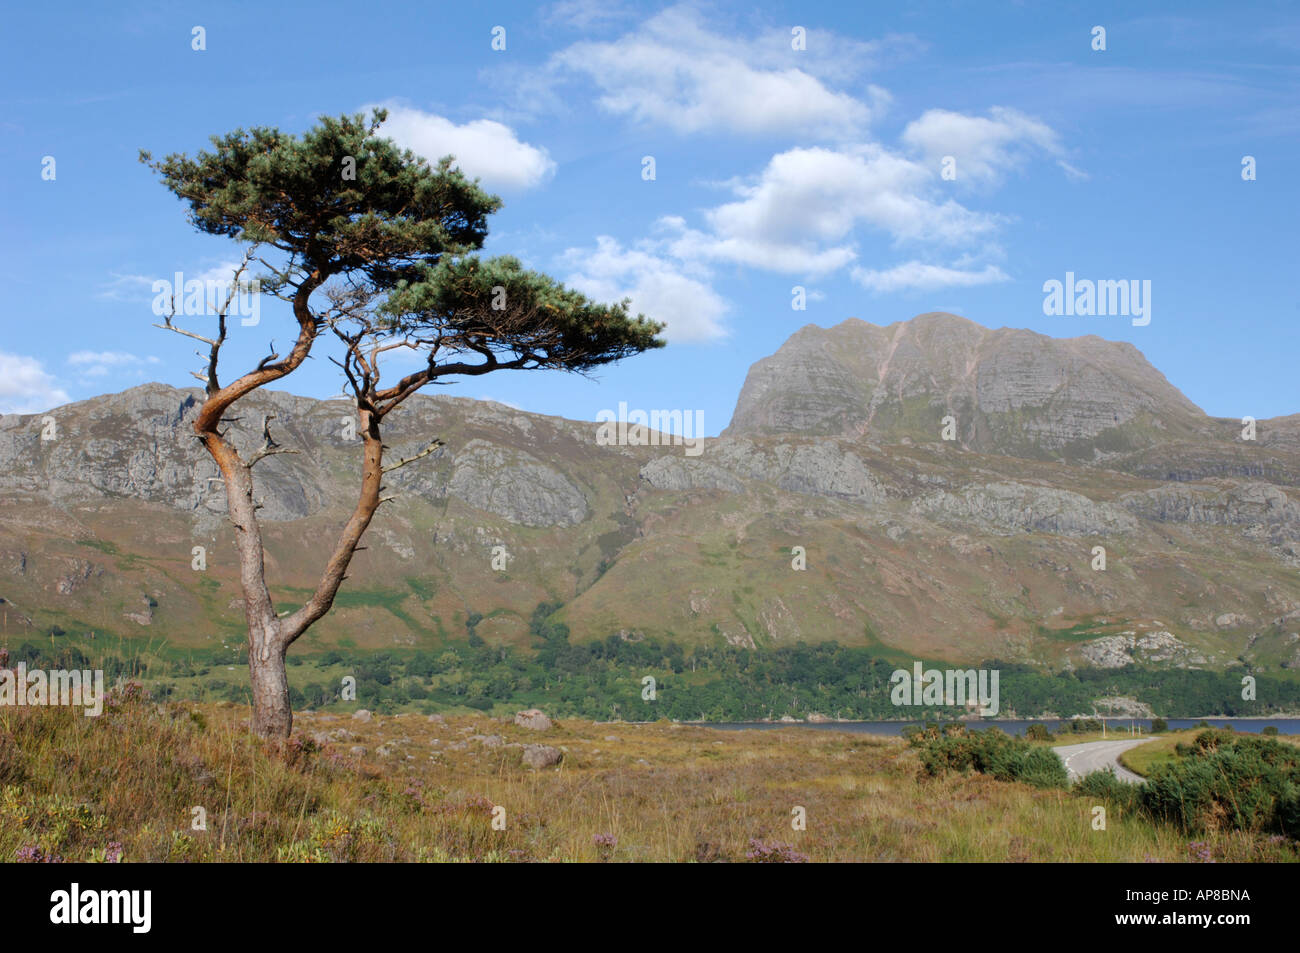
483	148
985	148
797	216
26	387
918	276
673	71
660	288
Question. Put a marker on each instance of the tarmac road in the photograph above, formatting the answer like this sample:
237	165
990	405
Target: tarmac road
1097	756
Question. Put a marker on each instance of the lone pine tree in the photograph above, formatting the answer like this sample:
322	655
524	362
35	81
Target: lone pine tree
384	242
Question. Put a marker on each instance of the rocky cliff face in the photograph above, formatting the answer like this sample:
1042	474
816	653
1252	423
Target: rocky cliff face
140	445
1009	391
1010	508
820	469
831	509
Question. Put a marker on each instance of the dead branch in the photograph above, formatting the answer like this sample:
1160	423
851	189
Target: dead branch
269	447
436	444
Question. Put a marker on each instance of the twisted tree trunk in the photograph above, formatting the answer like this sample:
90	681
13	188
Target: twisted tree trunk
269	635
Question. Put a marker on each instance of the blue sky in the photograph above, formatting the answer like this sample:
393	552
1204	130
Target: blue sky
774	168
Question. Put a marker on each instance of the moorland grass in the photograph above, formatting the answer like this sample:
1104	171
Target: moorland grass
411	788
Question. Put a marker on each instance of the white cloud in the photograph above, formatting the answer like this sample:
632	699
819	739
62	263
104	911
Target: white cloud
140	287
1072	173
26	387
985	149
126	287
798	215
483	148
222	273
99	363
660	288
918	276
586	15
674	72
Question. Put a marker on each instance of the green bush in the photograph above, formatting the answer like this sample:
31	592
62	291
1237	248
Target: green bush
1224	782
1042	767
1158	725
1105	786
991	752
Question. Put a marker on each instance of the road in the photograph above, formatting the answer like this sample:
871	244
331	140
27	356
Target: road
1097	756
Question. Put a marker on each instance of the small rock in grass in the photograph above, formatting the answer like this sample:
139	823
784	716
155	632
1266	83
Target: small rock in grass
542	756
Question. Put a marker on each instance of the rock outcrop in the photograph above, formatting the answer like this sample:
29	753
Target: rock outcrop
1009	391
515	485
1157	648
1007	508
818	469
1258	505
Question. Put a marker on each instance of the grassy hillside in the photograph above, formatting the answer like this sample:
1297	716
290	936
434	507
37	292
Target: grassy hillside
97	533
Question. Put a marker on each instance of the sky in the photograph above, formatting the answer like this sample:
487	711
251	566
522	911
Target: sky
886	160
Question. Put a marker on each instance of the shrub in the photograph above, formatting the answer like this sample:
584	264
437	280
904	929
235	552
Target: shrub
1158	725
991	752
1105	786
1043	768
1223	782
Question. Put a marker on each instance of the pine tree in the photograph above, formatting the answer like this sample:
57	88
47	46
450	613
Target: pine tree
373	249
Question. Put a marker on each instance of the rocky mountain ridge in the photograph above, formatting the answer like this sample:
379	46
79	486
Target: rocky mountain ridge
982	546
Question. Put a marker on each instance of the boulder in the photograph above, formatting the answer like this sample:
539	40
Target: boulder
542	756
533	719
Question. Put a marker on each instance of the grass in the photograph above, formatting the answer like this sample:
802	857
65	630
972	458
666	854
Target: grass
408	788
1070	738
1144	759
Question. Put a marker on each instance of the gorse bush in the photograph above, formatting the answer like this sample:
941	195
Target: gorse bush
1225	782
991	752
1105	786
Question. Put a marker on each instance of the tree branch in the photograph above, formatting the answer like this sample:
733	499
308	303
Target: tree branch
269	447
436	444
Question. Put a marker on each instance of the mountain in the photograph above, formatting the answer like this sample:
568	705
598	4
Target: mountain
978	547
1010	391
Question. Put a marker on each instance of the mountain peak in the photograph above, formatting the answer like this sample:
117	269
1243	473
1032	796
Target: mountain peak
1009	390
